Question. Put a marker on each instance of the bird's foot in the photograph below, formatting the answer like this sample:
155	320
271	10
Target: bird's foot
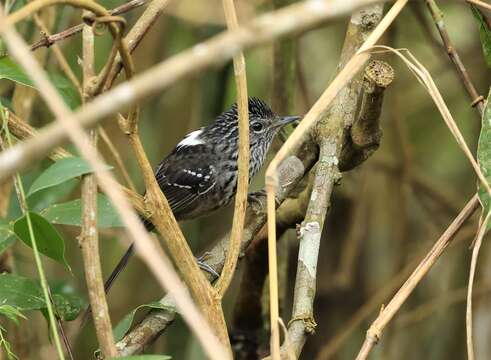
206	267
258	198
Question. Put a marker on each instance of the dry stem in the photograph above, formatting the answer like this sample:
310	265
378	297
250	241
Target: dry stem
375	331
49	40
89	239
468	314
437	15
243	159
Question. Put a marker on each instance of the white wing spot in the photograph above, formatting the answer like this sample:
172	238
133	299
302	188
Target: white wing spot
191	139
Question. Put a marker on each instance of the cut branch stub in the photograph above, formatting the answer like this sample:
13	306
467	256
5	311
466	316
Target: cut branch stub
365	134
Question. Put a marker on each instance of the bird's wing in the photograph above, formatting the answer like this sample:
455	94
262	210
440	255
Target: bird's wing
183	187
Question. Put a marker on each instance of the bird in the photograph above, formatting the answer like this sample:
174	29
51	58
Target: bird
200	174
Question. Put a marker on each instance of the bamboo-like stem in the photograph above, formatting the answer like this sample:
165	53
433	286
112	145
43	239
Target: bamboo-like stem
90	5
375	331
153	256
468	314
372	305
37	257
214	51
243	159
480	3
50	40
117	157
89	239
437	16
135	35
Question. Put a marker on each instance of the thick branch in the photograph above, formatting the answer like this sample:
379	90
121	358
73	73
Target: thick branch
330	135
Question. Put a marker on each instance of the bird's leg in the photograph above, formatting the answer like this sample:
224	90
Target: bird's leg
258	198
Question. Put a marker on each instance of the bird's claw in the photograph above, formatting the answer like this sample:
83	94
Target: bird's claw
206	267
257	197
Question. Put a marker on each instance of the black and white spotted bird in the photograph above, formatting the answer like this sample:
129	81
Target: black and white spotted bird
200	174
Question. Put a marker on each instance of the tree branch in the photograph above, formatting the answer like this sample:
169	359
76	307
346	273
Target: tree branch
49	40
89	239
243	160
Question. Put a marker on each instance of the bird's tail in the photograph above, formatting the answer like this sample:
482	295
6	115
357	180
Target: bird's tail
120	266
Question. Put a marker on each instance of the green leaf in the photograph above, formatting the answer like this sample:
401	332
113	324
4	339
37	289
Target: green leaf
485	34
10	70
70	213
484	156
144	357
20	292
11	313
48	240
67	302
66	90
61	171
68	306
7	237
26	294
124	325
40	200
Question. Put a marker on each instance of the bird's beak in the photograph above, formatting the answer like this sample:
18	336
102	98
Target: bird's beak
283	120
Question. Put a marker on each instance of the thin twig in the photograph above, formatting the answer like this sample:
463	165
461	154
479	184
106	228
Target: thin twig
437	15
37	258
60	58
23	131
480	3
468	313
243	160
135	35
153	256
89	239
49	40
375	331
117	157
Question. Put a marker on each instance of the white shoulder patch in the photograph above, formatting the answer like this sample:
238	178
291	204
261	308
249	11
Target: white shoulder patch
191	139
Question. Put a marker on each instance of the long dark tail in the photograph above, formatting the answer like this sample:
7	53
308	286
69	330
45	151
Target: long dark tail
121	265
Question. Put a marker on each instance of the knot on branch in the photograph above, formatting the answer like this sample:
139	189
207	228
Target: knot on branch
365	134
45	40
99	22
308	323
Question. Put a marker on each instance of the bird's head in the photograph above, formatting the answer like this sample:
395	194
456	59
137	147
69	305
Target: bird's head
264	124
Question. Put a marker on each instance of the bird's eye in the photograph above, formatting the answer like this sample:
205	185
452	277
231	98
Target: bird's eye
257	126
